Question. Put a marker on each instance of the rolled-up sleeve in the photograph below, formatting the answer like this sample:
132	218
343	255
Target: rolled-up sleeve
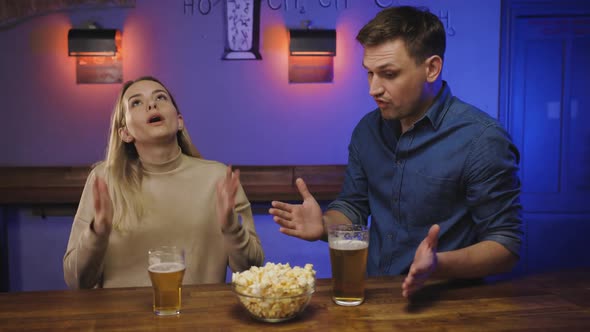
353	200
493	188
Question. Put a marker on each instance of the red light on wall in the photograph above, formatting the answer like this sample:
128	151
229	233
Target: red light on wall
96	65
311	54
311	69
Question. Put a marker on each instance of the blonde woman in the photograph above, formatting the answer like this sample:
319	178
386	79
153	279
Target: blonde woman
155	189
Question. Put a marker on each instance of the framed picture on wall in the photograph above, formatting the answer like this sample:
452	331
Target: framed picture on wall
242	30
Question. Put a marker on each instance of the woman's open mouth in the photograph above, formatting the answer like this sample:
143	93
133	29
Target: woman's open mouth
156	118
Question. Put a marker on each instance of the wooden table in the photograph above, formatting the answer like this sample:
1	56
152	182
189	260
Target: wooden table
550	302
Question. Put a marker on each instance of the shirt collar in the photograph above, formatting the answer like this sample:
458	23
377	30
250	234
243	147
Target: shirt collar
439	107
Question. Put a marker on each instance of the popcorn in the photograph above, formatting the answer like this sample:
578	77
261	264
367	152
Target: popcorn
283	290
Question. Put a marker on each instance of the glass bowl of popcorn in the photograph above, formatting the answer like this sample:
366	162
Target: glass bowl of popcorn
275	292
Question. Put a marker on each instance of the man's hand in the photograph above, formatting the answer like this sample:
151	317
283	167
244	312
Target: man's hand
424	264
103	208
299	220
227	188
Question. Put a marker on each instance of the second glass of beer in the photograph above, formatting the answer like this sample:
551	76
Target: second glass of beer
349	245
166	269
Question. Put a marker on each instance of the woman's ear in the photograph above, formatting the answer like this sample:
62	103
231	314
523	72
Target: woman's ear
180	122
433	68
125	136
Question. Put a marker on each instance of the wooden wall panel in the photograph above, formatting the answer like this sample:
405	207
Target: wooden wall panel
63	185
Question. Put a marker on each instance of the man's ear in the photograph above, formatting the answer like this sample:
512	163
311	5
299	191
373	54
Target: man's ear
125	135
433	68
180	122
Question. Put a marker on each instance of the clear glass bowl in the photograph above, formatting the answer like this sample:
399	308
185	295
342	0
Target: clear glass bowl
274	309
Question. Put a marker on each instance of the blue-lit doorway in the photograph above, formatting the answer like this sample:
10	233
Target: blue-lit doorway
545	104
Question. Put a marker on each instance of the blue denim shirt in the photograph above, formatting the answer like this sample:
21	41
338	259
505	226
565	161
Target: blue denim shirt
455	167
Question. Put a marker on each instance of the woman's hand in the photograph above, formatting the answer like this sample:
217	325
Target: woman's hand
103	208
227	187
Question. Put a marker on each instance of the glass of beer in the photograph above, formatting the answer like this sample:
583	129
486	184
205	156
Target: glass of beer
166	269
349	246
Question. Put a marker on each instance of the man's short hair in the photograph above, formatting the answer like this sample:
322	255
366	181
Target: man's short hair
422	32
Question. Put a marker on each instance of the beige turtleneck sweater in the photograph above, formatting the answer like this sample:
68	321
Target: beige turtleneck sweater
182	212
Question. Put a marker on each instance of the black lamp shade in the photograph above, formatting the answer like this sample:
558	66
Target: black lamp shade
92	42
312	42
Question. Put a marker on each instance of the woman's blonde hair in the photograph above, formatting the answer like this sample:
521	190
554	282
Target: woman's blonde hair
123	171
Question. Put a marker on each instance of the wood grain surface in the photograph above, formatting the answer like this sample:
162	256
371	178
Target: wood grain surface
557	301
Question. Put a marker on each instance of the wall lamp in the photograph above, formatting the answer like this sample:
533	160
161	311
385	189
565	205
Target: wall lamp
98	54
311	55
93	42
312	42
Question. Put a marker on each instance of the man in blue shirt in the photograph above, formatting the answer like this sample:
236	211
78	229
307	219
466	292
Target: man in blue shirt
436	175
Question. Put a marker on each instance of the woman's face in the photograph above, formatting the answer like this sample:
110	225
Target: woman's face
150	115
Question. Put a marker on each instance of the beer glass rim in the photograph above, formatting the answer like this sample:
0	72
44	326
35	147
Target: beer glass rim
348	227
165	249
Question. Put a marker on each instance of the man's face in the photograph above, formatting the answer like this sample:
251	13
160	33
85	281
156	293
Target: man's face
396	82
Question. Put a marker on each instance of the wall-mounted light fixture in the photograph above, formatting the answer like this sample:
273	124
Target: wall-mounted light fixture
312	42
311	55
98	54
93	42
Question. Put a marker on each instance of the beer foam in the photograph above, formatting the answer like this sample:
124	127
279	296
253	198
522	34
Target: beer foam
348	244
166	267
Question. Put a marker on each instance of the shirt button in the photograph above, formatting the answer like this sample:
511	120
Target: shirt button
390	236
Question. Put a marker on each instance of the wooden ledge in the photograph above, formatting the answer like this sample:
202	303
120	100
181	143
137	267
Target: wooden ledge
63	185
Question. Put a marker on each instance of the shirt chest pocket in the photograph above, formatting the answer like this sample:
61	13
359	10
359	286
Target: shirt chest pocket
428	199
